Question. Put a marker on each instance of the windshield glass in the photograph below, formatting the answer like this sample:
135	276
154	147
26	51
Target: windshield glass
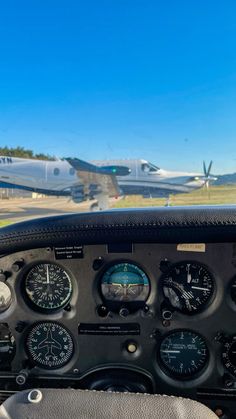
116	104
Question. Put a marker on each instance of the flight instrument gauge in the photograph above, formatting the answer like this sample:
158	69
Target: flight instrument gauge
229	354
125	283
49	345
48	287
233	290
188	286
183	353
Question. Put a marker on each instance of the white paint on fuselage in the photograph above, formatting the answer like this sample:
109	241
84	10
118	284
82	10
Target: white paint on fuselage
163	179
40	174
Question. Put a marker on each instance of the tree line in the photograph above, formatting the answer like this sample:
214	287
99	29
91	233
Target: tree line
23	153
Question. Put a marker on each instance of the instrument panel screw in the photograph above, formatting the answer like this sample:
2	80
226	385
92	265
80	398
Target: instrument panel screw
97	263
75	370
3	276
164	265
102	311
124	312
17	265
20	327
22	377
166	323
167	314
219	412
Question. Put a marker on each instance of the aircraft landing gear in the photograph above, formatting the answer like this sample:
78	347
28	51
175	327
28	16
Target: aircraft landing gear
94	207
168	202
101	204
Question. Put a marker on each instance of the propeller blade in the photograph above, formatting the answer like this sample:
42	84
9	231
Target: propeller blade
207	175
209	168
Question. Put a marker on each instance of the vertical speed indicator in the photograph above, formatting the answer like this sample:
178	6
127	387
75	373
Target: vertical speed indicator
183	353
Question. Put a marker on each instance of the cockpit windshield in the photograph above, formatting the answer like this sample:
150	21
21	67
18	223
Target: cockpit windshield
91	93
149	168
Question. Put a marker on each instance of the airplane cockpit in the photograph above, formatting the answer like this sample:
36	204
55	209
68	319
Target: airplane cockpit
119	314
147	167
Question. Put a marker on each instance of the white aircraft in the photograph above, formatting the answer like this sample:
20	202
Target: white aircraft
98	180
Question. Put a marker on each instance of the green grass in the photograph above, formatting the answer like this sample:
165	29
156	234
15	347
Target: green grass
5	223
217	195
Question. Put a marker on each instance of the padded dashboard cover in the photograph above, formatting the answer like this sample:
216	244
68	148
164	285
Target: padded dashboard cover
85	404
163	225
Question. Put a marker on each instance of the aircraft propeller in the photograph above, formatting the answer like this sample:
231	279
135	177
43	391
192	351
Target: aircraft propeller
208	178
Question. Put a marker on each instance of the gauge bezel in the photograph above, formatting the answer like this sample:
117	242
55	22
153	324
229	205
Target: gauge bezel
231	302
38	364
230	339
31	303
176	376
203	306
117	305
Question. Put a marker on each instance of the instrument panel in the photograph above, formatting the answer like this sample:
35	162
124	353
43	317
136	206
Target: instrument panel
165	316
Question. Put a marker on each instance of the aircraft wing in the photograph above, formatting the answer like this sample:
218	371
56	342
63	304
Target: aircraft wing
103	178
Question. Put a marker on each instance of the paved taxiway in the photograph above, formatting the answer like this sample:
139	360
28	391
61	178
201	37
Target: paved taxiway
19	209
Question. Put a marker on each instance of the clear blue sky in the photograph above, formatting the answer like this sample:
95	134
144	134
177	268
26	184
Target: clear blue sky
121	78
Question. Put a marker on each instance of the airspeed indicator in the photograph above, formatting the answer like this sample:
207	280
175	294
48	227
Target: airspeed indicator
48	287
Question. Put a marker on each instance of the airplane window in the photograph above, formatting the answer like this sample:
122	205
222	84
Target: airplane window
56	171
72	171
145	167
153	169
148	167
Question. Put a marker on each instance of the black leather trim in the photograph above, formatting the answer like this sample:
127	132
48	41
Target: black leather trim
165	225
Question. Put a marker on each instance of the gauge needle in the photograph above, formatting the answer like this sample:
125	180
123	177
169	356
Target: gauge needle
199	288
47	275
189	276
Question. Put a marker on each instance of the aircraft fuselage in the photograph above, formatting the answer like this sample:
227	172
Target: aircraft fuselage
58	177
